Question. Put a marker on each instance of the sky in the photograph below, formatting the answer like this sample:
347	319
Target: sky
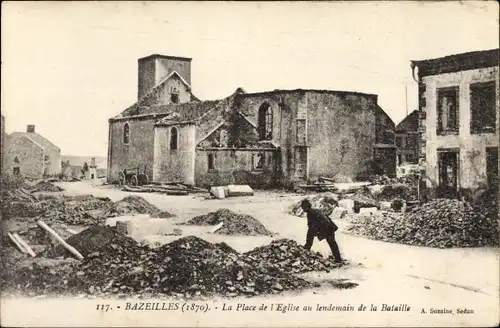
67	67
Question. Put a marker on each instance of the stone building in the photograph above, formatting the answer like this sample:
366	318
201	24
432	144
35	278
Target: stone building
407	139
459	122
30	155
264	139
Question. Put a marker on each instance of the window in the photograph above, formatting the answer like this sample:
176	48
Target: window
16	160
447	111
46	158
210	161
400	159
126	134
173	138
301	131
265	122
174	98
492	166
399	141
16	171
482	103
258	161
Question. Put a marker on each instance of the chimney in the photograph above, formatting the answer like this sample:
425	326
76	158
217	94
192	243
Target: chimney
92	162
30	129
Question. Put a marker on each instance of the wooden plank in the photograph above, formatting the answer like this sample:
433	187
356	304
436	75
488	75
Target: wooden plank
25	245
60	240
19	246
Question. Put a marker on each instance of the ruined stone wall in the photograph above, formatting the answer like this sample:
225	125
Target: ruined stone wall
341	135
174	165
139	151
234	166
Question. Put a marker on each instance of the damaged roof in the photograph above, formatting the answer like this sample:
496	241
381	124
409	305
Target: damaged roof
458	62
334	92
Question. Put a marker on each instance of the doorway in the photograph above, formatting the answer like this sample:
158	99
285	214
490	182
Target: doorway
448	168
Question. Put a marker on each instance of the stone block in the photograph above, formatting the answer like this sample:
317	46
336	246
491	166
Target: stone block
385	205
368	210
240	190
140	217
218	192
152	227
348	204
338	213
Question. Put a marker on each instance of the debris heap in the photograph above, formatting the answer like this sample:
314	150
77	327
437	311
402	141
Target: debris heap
133	205
93	239
325	202
287	255
439	223
44	186
234	223
188	267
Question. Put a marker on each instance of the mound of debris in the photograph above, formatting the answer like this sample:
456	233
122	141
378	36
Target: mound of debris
233	223
132	205
442	223
325	202
363	199
93	239
44	186
34	235
189	267
287	255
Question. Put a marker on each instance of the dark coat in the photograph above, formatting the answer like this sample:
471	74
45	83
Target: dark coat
319	224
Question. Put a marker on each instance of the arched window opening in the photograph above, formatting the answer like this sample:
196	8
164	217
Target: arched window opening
210	161
173	138
16	160
126	134
265	122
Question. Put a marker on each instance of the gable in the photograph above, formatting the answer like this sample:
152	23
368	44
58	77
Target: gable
160	95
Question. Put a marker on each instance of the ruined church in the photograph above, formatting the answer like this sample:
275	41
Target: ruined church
265	139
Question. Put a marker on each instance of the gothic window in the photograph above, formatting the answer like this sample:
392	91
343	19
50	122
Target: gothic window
174	95
173	138
126	134
265	122
16	160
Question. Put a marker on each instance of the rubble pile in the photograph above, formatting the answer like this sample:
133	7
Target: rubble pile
191	266
363	199
234	223
93	239
132	205
287	255
442	223
325	202
405	187
44	186
188	267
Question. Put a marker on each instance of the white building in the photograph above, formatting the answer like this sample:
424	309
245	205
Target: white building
459	122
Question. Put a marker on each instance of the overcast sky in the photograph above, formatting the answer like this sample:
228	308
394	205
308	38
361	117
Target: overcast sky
69	66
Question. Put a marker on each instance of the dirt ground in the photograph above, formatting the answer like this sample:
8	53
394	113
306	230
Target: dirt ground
386	273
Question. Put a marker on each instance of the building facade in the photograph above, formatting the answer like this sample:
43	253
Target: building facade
407	139
264	139
30	155
459	122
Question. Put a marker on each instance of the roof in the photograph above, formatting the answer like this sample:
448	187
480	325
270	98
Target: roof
150	100
37	139
412	116
206	115
153	56
333	92
458	62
